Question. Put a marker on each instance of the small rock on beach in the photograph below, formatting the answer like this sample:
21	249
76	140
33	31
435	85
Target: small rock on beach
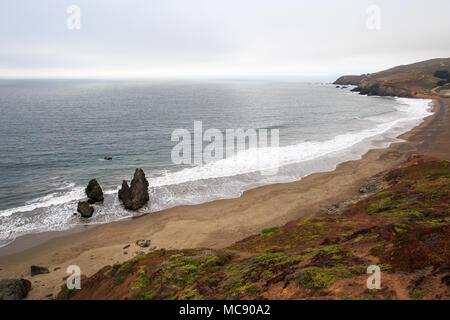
35	270
14	289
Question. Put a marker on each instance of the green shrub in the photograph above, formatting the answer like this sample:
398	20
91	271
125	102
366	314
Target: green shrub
417	294
442	74
270	230
412	213
316	278
192	295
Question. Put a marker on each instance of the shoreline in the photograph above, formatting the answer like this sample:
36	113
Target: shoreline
222	222
359	148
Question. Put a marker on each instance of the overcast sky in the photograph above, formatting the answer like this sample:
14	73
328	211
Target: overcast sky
171	38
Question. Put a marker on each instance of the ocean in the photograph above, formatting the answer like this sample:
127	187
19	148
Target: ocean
55	134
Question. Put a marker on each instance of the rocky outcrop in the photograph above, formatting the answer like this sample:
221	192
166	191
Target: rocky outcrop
350	80
136	195
35	270
85	209
382	90
94	191
412	80
125	193
14	289
372	87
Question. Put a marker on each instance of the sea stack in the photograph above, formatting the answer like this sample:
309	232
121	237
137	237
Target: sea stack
85	209
94	192
136	195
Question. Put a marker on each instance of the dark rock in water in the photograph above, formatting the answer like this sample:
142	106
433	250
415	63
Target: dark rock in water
139	187
94	191
136	195
35	270
14	289
382	91
125	192
85	209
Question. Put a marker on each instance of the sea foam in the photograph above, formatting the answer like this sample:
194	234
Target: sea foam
226	178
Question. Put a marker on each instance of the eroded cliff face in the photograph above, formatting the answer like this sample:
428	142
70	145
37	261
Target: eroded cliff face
414	80
374	88
350	80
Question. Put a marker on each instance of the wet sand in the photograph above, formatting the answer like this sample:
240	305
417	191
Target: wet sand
219	223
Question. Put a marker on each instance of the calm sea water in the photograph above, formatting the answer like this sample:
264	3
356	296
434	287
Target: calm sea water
55	134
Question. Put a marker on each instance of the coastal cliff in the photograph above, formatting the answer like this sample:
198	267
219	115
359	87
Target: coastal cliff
413	80
350	80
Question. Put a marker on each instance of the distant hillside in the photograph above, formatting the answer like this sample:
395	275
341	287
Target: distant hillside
413	80
350	80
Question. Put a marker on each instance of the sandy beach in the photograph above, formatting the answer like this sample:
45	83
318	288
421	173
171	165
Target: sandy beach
216	224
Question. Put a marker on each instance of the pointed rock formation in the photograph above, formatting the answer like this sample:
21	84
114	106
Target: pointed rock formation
94	191
136	195
125	192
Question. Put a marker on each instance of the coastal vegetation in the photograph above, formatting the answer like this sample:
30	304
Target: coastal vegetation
404	229
413	80
444	75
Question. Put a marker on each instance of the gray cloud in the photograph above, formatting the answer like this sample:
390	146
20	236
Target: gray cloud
215	37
